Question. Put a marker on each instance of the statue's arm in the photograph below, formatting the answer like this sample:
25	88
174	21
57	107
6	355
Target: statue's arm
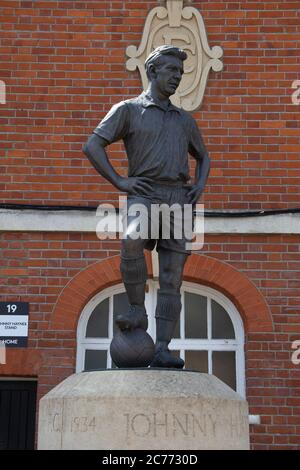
198	150
94	149
202	169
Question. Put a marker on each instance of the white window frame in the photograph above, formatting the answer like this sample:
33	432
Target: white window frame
181	344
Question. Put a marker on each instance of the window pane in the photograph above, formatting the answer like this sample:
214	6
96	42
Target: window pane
195	316
95	359
224	367
196	360
222	327
121	305
97	326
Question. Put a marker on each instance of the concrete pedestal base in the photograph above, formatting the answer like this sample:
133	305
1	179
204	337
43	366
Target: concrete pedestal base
148	409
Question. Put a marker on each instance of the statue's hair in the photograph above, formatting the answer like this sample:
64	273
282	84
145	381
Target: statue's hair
154	57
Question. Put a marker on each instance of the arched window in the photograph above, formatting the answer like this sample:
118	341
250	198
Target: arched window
209	335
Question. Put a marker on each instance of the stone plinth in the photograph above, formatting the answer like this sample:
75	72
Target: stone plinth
143	409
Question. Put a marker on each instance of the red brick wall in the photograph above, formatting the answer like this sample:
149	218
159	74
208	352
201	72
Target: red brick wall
64	66
36	267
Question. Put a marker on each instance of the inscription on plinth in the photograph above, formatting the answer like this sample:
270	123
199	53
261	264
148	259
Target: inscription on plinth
169	425
76	424
185	425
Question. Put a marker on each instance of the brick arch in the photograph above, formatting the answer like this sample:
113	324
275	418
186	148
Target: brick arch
83	287
199	269
236	286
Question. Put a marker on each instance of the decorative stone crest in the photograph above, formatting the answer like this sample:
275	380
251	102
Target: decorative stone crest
183	27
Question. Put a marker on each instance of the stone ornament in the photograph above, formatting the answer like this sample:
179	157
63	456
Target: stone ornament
181	26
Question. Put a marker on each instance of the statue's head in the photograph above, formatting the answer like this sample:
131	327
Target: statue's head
164	66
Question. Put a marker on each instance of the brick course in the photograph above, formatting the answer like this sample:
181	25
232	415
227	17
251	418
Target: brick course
64	66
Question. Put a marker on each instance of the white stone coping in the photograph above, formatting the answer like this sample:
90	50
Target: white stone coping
33	220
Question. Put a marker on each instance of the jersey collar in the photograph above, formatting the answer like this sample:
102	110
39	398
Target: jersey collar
147	101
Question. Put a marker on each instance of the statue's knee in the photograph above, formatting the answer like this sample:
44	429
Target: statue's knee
132	248
133	265
170	280
170	285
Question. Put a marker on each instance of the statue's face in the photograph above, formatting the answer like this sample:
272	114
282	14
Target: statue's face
168	74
